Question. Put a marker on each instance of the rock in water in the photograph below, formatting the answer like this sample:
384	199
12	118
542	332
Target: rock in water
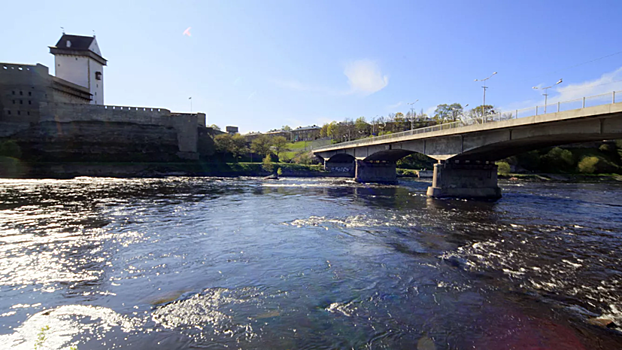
271	177
600	321
425	343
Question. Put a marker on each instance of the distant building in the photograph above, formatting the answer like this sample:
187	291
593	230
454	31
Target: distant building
306	133
284	133
251	136
231	129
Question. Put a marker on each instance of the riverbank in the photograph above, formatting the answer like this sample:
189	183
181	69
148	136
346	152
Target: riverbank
546	177
14	168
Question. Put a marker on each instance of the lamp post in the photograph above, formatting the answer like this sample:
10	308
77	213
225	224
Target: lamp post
485	87
412	116
546	95
190	98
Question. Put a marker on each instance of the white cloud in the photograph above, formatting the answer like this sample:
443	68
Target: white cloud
365	77
394	106
607	83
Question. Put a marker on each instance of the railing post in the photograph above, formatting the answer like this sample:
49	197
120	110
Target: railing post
558	104
583	102
536	110
516	115
613	99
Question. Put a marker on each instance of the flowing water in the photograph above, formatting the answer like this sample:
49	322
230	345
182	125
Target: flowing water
211	263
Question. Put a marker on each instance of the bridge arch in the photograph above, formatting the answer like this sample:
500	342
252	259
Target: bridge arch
500	150
390	155
341	158
341	164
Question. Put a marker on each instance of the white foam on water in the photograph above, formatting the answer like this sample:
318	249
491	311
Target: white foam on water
57	328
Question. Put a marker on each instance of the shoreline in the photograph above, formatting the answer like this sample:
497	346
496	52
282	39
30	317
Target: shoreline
549	177
15	169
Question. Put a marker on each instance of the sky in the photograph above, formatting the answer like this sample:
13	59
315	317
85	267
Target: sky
263	64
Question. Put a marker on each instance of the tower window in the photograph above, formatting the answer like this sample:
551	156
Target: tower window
29	93
21	93
29	102
13	92
19	113
8	112
13	101
98	75
28	113
21	102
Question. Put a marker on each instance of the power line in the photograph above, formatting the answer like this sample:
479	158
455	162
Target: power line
586	62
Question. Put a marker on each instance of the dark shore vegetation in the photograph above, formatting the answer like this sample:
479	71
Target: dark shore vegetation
232	155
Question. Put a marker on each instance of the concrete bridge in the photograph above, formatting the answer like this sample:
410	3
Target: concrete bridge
466	153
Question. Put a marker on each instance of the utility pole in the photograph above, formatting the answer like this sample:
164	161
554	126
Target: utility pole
485	87
412	116
546	95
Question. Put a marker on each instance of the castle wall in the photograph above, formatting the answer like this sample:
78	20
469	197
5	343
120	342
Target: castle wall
22	88
185	125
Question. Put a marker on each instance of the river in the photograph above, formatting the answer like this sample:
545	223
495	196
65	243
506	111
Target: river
212	263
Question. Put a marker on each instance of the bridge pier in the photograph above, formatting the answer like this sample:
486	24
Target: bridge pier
375	171
465	180
344	169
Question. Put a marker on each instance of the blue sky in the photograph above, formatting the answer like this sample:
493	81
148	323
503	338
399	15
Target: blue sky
263	64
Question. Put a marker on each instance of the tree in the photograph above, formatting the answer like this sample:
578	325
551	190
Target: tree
401	123
361	126
239	145
331	130
445	112
214	126
261	145
224	143
280	144
324	130
234	145
286	128
481	110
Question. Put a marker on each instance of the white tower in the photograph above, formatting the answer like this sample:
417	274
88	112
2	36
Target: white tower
78	60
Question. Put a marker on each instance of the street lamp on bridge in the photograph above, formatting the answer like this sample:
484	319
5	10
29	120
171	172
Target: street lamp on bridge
412	116
485	87
546	95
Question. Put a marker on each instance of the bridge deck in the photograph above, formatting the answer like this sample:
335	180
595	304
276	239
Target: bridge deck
458	128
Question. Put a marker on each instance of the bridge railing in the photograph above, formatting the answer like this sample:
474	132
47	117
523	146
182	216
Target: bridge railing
561	106
583	102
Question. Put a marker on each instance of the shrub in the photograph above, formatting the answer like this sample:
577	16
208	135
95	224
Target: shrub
567	157
10	148
267	163
587	165
503	168
605	148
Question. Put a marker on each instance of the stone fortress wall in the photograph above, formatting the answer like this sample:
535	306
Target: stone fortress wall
37	107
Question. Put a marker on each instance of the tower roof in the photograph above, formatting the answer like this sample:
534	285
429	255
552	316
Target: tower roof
78	45
74	42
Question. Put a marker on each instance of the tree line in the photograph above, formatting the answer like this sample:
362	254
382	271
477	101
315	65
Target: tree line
397	122
237	148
